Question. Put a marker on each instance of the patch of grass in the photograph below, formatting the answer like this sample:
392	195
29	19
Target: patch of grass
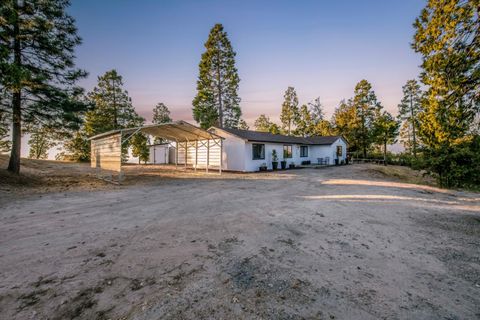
404	174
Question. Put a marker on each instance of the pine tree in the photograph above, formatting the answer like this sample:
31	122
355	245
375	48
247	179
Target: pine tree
316	110
323	128
161	114
366	108
447	36
409	109
386	131
113	107
406	136
289	115
77	148
140	147
217	101
37	71
262	123
242	125
40	142
345	123
305	123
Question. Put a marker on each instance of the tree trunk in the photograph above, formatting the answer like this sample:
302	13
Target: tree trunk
14	163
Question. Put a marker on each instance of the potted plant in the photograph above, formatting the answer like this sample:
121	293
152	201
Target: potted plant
274	159
283	163
263	167
291	165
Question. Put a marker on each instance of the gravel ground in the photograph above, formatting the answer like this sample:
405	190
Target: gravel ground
335	243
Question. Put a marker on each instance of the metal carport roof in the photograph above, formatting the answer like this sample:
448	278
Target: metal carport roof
180	131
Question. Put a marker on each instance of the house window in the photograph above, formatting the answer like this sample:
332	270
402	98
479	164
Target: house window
258	151
303	151
339	151
287	151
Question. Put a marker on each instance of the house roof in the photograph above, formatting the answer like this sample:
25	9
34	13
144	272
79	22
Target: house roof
258	136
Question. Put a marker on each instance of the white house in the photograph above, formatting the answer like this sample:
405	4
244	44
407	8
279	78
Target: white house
245	150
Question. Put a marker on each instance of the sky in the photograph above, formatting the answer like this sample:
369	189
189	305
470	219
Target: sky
322	48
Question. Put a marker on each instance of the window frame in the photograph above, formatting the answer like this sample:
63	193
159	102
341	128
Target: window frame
301	153
291	151
339	154
262	153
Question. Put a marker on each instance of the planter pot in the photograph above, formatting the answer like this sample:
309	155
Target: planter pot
263	168
291	166
336	162
274	165
283	164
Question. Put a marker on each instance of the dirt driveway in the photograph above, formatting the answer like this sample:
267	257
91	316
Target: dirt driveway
336	243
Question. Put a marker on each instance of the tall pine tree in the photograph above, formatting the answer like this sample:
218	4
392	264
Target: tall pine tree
448	38
366	109
344	121
217	101
113	107
305	125
289	115
386	131
161	114
37	71
408	111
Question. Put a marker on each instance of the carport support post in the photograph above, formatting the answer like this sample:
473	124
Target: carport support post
208	154
221	155
196	154
176	155
186	155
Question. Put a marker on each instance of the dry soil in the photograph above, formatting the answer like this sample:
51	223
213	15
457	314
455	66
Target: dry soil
345	242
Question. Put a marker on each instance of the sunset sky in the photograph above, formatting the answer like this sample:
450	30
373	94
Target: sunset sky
322	48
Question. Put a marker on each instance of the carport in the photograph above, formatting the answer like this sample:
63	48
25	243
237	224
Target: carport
194	147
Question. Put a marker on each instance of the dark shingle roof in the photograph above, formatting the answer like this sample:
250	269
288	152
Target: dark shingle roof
258	136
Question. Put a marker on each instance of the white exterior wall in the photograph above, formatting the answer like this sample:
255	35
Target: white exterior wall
159	154
253	165
237	153
201	153
329	151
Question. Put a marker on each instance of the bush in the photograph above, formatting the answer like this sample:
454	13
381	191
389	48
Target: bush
457	165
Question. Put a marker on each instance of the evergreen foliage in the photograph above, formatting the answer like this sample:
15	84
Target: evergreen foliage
447	37
366	109
305	125
113	107
40	142
408	111
264	124
386	131
217	102
161	114
242	125
37	73
289	115
140	148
